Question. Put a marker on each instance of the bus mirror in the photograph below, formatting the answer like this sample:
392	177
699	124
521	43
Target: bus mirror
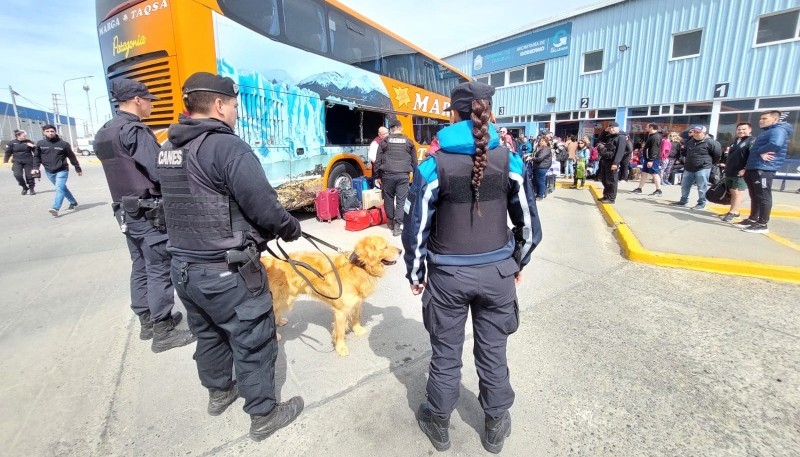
300	151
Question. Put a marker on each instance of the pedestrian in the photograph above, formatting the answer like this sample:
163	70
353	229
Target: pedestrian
674	154
525	146
738	152
582	156
572	149
221	211
506	139
433	147
22	150
372	152
553	173
540	161
767	155
611	156
52	152
700	154
128	152
396	159
468	192
650	159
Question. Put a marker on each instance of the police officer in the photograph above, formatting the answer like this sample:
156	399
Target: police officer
220	211
22	149
455	225
396	159
128	150
613	153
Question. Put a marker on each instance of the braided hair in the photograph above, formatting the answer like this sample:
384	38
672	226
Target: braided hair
480	116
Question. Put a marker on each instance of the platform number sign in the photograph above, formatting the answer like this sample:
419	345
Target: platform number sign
501	111
721	90
584	102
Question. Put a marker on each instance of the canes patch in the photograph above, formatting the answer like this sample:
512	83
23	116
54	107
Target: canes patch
170	158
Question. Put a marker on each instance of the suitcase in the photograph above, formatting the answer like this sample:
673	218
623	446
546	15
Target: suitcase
348	200
355	221
371	198
361	184
327	205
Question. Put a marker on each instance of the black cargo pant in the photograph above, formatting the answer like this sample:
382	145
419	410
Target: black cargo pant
22	173
488	291
759	185
395	191
610	180
151	286
235	328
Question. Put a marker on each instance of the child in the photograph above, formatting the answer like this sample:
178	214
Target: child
552	174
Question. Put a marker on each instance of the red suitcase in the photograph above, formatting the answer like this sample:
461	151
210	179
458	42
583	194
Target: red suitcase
327	205
363	218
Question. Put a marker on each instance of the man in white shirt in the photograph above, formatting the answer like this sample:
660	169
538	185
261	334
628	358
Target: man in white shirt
383	132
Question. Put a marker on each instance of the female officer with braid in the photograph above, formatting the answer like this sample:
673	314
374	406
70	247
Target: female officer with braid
455	232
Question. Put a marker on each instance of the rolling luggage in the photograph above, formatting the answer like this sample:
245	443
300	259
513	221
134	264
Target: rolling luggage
361	184
327	205
371	198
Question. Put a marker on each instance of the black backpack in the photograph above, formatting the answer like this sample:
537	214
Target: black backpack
348	200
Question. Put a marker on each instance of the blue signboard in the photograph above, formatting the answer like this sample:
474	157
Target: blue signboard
533	47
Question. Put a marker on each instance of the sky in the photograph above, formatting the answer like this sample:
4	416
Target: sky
47	42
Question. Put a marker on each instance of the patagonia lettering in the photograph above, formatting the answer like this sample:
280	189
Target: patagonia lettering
172	158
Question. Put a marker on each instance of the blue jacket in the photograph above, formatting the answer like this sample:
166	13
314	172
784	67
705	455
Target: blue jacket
774	138
420	208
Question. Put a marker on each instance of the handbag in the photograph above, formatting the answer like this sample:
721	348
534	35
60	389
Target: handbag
718	193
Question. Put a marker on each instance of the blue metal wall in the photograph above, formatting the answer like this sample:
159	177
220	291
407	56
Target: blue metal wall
644	75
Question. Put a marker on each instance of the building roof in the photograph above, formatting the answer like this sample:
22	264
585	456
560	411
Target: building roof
7	109
541	24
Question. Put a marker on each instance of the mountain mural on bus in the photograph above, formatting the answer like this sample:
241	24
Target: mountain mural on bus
283	93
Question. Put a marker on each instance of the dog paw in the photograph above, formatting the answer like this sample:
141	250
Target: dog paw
358	330
281	321
342	350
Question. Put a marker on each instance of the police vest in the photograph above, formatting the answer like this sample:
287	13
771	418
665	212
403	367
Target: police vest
123	175
22	153
396	158
457	228
198	216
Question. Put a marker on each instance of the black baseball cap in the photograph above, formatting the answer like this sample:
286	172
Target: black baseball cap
613	124
203	81
125	89
462	95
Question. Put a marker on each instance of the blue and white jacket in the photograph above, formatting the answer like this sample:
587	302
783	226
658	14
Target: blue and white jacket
423	199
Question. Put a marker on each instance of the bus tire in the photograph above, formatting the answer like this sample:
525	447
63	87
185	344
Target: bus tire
342	173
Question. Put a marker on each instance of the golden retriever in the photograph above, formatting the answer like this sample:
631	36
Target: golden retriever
359	273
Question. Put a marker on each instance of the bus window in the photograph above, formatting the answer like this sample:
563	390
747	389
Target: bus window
354	43
426	127
304	23
397	60
345	126
259	15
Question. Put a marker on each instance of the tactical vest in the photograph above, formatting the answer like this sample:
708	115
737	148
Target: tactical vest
21	152
396	157
458	229
199	217
123	175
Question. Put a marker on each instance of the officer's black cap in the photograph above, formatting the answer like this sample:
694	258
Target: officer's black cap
462	95
208	82
125	89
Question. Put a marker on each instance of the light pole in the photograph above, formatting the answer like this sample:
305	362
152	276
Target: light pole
66	106
97	111
89	106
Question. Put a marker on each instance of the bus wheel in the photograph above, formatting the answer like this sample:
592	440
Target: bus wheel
342	175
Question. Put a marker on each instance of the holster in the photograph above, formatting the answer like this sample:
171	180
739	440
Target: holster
247	263
157	217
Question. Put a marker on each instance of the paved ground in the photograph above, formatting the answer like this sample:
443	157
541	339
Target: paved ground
612	357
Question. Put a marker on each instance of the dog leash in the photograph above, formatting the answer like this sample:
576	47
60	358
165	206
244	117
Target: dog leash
295	263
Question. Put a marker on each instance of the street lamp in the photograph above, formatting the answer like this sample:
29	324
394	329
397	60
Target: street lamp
66	106
89	106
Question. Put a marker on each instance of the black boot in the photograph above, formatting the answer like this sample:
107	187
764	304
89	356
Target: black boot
146	331
435	427
24	191
390	224
281	415
32	192
219	400
166	336
497	430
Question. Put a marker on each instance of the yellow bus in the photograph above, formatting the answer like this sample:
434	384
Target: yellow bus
316	79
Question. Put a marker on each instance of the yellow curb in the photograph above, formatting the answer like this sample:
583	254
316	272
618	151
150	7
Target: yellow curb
789	214
633	250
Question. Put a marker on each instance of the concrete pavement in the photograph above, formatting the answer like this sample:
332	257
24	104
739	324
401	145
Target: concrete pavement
611	358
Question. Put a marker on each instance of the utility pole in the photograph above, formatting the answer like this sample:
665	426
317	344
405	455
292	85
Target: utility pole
14	102
88	104
57	122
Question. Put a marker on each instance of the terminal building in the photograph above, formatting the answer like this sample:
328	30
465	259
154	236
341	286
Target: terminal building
675	63
31	120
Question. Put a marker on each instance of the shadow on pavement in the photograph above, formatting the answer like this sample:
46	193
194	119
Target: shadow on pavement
577	202
80	208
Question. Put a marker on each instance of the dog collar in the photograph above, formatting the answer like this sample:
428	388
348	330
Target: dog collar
356	261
